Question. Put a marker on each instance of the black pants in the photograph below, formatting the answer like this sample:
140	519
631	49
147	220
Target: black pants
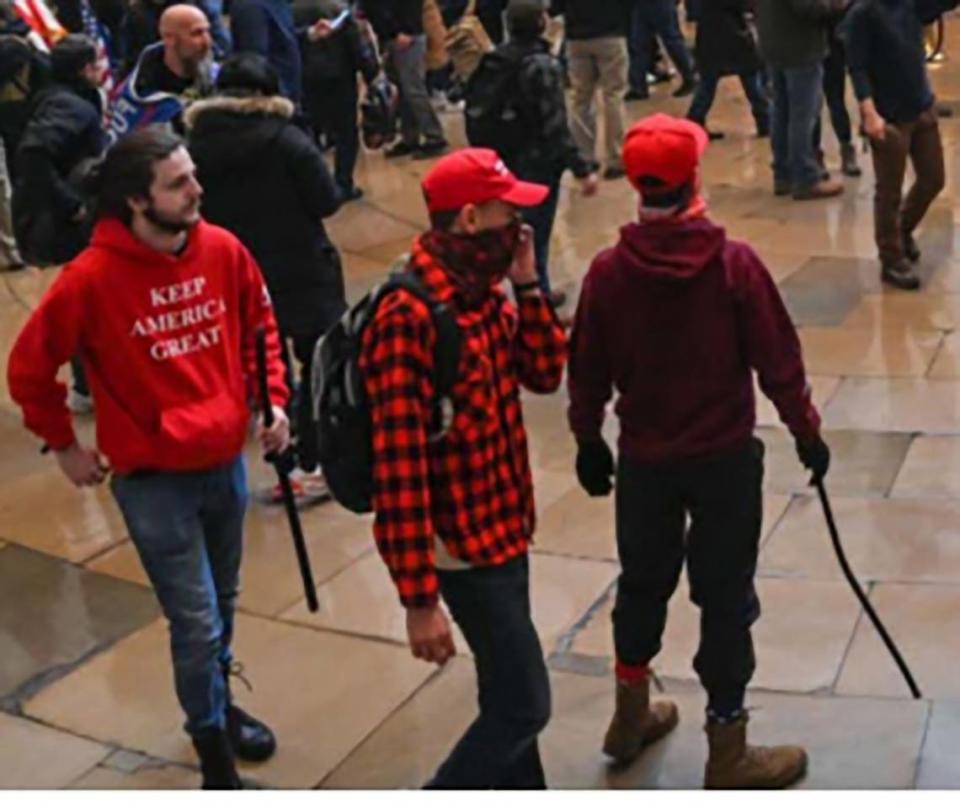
298	410
499	750
332	108
834	91
723	498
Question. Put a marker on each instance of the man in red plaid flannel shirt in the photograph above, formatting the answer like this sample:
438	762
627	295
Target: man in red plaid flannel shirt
455	512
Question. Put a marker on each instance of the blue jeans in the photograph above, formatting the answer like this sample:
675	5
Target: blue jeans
499	750
753	87
797	98
655	18
188	529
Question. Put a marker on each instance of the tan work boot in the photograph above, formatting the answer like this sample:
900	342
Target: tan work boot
636	722
734	765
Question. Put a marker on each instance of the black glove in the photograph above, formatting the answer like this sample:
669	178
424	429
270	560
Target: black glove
595	467
815	456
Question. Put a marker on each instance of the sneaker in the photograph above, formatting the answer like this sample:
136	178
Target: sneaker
781	188
276	494
429	150
313	485
687	88
900	274
848	161
613	173
910	248
819	191
78	403
399	150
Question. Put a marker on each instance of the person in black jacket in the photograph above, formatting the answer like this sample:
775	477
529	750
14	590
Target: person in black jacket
725	46
331	61
547	148
64	130
265	180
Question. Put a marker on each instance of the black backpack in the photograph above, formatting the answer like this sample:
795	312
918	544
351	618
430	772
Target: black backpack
493	112
341	408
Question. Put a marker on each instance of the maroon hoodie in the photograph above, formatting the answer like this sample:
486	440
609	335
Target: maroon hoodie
674	318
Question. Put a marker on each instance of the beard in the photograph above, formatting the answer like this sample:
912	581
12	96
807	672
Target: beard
167	223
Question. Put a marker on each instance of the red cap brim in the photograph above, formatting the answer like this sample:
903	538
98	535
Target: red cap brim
525	194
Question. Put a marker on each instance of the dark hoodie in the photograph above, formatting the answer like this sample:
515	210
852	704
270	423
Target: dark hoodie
266	181
674	318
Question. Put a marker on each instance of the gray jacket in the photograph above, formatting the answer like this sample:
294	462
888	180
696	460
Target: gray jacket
793	33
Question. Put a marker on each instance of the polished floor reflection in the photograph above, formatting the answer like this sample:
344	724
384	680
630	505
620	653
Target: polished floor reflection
86	696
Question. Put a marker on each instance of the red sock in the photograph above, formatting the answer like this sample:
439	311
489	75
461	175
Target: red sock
632	674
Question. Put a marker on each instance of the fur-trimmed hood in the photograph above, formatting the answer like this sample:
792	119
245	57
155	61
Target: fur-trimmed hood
229	133
273	106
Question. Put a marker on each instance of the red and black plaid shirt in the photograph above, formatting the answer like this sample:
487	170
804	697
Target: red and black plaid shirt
472	487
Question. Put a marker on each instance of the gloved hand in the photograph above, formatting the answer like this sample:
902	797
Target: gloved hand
815	456
595	467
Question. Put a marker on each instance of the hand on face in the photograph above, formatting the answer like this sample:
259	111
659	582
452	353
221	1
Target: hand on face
524	267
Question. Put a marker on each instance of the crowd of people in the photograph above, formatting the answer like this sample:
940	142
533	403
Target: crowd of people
174	163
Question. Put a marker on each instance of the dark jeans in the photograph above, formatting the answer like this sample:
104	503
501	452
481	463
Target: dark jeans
332	108
541	219
655	18
188	530
752	83
299	409
893	216
722	495
834	92
797	98
499	750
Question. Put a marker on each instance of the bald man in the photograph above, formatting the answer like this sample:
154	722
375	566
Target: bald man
168	76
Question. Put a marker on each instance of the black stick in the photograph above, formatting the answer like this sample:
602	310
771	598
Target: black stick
861	595
290	504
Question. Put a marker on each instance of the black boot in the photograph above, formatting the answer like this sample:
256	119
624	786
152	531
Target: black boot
251	739
216	760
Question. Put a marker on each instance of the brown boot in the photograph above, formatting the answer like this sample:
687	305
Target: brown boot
734	765
822	189
636	722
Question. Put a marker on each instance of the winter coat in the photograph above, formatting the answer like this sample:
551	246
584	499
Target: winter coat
339	56
266	27
64	130
725	40
392	17
265	180
793	33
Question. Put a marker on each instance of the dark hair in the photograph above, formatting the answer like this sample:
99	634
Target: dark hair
70	55
525	18
443	220
245	74
127	171
656	197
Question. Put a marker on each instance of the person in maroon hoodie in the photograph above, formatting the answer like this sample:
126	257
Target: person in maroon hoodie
163	310
676	318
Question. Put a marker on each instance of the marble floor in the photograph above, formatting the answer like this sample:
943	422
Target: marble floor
86	697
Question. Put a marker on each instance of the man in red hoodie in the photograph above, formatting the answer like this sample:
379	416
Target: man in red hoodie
676	318
163	310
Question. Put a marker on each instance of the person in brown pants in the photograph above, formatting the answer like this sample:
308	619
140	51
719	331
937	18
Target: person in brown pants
887	63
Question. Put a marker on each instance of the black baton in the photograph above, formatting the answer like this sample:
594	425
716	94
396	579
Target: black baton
280	463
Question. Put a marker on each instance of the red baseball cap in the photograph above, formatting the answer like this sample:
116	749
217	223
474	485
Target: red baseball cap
663	147
477	175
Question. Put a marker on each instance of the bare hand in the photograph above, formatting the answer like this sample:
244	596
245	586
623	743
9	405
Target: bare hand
524	267
275	439
589	185
875	127
321	30
428	631
402	41
84	467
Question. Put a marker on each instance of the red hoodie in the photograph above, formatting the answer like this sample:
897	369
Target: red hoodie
674	317
168	343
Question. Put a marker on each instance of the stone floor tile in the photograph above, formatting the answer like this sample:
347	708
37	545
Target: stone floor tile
823	388
931	469
153	777
36	757
947	362
939	768
923	621
896	404
885	540
76	524
827	288
359	227
800	638
902	312
862	463
362	599
322	693
269	575
53	614
578	525
882	353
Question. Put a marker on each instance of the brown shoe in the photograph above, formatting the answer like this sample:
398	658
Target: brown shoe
734	765
822	189
637	723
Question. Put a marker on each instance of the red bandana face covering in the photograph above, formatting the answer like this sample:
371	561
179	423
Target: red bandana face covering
475	263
